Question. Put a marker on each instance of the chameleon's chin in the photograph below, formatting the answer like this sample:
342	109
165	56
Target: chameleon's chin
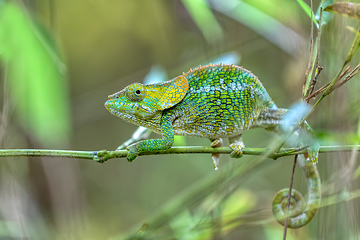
113	108
108	105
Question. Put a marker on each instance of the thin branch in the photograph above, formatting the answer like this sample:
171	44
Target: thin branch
313	82
104	155
289	198
307	72
347	74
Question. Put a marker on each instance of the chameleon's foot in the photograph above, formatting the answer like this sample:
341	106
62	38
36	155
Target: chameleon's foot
132	153
313	152
236	144
237	150
215	156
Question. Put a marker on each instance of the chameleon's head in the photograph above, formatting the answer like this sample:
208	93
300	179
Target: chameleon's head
129	103
140	104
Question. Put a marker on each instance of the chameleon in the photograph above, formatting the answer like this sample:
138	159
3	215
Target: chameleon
214	101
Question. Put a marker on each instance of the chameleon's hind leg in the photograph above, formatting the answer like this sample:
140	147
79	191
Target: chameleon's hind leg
218	142
236	144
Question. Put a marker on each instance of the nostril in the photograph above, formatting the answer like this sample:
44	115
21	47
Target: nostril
113	96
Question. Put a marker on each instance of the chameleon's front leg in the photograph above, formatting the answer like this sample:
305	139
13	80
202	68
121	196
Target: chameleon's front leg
154	144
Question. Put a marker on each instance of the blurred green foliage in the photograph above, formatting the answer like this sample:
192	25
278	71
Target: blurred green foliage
35	76
109	44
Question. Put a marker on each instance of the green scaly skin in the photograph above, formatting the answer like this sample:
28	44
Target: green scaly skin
214	101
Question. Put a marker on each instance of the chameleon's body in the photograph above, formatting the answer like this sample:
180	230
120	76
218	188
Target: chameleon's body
214	101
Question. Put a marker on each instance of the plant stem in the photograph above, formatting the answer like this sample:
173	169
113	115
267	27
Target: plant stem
104	155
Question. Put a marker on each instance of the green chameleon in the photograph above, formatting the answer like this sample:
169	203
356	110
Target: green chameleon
214	101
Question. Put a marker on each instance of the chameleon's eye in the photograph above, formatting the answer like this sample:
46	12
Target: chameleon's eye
135	92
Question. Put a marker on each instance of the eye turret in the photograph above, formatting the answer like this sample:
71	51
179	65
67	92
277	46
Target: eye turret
135	92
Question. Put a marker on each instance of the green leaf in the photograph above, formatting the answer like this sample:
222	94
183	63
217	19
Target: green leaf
204	19
37	84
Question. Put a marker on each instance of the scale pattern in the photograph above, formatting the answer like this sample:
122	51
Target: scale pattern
222	101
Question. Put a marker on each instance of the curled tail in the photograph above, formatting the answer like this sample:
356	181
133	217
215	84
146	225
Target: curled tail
298	215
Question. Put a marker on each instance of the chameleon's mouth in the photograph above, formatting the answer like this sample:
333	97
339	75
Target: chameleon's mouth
108	105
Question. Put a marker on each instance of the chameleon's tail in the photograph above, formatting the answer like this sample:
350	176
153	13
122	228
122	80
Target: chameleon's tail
297	215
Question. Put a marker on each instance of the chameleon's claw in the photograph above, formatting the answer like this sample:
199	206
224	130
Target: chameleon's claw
237	153
236	144
132	153
237	150
313	152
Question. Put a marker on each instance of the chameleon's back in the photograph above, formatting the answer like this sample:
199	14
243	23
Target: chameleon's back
222	101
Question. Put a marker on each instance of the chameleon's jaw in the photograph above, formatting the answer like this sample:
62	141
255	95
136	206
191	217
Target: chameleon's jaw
108	105
136	110
134	113
114	108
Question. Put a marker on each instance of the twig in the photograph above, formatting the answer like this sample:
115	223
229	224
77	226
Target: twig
104	155
289	198
337	84
313	82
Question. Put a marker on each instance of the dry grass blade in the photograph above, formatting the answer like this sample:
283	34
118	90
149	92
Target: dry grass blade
310	55
345	8
347	74
348	77
317	92
313	82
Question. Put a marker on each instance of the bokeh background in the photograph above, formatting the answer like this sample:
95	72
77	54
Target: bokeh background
60	61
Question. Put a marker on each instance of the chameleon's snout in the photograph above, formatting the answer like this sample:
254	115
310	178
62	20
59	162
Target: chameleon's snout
111	103
108	104
112	96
